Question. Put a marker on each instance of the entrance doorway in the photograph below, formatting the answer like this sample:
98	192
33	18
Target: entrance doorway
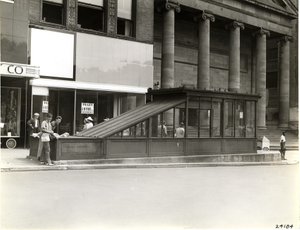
61	103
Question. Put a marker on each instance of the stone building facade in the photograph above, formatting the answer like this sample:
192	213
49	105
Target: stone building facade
240	46
102	56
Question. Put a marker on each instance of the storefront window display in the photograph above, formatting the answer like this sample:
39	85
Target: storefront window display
10	111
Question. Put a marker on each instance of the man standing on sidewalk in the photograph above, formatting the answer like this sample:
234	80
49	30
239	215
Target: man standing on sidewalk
33	126
282	146
45	138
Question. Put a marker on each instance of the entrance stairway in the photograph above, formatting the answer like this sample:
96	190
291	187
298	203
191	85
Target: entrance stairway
273	134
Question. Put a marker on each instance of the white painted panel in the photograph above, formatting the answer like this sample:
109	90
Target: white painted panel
55	1
42	91
53	52
113	61
93	2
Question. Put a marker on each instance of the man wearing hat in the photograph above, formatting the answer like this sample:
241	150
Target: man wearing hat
33	126
46	128
88	123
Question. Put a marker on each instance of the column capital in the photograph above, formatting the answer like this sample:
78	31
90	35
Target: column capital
205	16
261	31
286	38
235	24
168	5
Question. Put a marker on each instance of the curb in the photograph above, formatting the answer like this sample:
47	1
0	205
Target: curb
125	166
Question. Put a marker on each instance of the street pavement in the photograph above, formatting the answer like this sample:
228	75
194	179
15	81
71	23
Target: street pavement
233	196
248	197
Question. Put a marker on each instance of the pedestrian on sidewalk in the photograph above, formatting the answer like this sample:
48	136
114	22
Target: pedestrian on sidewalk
56	122
33	126
45	138
282	146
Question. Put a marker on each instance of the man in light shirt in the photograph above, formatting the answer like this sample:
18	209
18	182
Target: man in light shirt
179	132
45	139
282	146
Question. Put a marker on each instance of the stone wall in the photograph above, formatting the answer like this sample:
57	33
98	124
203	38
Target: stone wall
186	55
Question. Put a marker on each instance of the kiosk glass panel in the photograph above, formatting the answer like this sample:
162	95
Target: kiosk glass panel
240	118
228	119
205	117
250	119
193	121
216	114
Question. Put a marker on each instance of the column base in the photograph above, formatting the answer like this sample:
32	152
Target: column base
262	127
283	127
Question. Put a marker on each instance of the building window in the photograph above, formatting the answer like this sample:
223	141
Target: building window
10	111
271	81
272	54
53	11
90	14
125	23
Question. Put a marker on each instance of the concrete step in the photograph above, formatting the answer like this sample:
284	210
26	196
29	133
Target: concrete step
269	156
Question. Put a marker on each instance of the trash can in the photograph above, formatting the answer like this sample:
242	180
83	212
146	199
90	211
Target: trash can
263	144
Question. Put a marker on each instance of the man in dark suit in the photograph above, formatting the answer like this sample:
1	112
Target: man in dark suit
33	125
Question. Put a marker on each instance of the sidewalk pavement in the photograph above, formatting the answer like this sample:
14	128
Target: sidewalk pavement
18	160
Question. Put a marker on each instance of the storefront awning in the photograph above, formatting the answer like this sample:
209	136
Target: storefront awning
87	86
19	70
125	120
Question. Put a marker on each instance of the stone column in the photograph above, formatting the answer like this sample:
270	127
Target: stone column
234	55
168	35
111	17
260	73
203	80
284	81
71	14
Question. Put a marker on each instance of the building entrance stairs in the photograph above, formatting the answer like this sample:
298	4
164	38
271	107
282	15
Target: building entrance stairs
274	134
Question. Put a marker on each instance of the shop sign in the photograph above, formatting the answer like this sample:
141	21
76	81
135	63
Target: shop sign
19	70
87	108
45	108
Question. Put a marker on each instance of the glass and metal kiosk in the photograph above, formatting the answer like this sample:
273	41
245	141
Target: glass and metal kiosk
210	123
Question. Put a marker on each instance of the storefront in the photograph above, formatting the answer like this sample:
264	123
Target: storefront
14	102
75	101
84	75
